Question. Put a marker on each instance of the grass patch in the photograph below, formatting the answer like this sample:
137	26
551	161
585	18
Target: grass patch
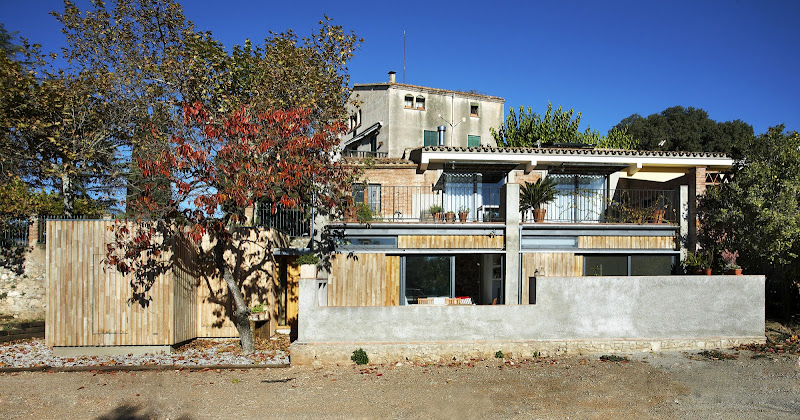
614	358
717	355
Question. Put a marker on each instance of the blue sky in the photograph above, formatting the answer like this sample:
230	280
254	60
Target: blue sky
736	59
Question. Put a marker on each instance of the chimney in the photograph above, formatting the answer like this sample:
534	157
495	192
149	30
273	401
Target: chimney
391	76
440	131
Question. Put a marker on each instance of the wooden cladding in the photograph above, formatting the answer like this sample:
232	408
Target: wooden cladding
364	280
89	304
626	242
450	242
561	264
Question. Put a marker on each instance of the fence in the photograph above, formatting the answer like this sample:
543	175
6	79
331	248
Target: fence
467	203
14	232
291	221
614	206
364	154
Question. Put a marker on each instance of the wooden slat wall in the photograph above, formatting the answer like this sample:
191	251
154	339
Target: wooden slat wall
292	297
364	280
450	242
186	277
626	242
87	304
549	264
257	267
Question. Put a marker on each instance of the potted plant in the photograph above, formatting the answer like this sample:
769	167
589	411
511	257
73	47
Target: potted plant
436	210
451	216
730	262
364	213
697	263
463	212
258	312
534	195
658	210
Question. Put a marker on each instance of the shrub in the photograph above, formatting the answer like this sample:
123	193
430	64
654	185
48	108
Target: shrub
360	357
307	259
499	354
614	358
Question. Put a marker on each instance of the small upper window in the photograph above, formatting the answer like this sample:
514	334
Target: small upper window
409	103
420	103
473	110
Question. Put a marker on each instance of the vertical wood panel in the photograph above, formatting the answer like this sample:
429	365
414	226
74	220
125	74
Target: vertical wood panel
626	242
549	264
366	280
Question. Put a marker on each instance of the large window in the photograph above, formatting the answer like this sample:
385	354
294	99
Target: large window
579	198
428	276
628	265
408	103
369	194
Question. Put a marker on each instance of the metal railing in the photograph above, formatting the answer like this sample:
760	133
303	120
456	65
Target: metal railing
613	206
291	221
457	203
14	232
364	154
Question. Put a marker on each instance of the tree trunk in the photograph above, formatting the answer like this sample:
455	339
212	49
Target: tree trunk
68	196
241	313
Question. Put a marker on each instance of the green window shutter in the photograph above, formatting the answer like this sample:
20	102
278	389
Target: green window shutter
473	141
429	138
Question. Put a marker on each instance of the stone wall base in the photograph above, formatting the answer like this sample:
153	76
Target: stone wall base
339	353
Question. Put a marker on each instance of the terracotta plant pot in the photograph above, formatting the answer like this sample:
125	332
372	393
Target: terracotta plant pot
451	217
707	271
351	214
463	217
437	217
657	216
734	272
538	215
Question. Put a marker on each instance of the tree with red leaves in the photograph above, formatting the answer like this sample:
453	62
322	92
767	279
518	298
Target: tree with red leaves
216	167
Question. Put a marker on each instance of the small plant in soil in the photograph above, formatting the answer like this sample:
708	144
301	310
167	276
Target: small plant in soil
717	355
499	354
360	357
614	358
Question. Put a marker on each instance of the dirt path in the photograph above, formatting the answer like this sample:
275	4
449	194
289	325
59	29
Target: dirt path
664	386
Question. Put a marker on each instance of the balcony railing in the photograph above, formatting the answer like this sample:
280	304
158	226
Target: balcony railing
612	206
449	204
293	222
364	154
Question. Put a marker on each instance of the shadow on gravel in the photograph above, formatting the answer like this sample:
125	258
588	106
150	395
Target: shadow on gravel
133	412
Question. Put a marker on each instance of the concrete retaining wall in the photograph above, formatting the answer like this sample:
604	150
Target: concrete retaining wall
587	314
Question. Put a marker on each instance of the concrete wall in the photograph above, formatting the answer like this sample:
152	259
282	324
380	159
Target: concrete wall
608	309
403	128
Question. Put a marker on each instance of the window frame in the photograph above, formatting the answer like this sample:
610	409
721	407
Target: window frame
476	107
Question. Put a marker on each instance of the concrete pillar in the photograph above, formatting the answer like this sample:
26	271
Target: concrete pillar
33	230
307	291
510	194
683	219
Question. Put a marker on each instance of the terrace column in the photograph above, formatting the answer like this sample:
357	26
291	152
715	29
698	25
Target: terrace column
510	196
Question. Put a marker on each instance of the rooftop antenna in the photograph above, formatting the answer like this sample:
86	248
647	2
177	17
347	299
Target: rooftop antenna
404	57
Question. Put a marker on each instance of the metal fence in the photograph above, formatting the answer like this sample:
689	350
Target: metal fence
291	221
14	232
364	154
613	206
449	203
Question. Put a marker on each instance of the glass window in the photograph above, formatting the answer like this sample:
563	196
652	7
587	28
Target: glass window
548	242
605	265
359	242
651	265
371	195
429	138
427	276
473	110
409	102
420	103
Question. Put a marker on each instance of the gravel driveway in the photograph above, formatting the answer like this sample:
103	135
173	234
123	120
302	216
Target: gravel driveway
664	385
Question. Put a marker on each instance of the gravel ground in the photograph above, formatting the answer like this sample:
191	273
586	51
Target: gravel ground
663	385
31	353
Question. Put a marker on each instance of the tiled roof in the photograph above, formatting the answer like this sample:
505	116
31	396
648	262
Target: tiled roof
573	151
375	161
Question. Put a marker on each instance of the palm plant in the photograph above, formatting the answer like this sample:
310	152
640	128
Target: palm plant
533	195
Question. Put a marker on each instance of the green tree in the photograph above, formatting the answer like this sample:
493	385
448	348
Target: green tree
686	129
758	213
531	129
